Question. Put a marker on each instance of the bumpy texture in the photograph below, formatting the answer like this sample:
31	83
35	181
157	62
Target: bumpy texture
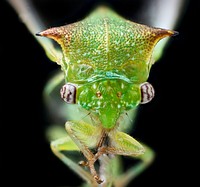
107	57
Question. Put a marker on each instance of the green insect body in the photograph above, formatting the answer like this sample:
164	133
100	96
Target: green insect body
106	63
109	55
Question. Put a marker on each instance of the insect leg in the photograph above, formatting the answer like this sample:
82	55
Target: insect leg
121	143
145	161
30	17
86	137
60	148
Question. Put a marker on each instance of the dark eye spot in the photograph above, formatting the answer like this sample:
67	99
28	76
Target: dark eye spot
68	93
98	94
119	94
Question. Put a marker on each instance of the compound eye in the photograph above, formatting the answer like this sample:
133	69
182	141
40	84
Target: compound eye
147	92
68	93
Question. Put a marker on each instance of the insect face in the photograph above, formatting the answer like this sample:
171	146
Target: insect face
107	99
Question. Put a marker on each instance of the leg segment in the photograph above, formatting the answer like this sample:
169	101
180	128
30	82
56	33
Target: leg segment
145	161
86	137
67	145
31	18
120	143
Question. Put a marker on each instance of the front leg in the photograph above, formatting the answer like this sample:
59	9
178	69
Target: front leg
123	144
61	147
86	137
